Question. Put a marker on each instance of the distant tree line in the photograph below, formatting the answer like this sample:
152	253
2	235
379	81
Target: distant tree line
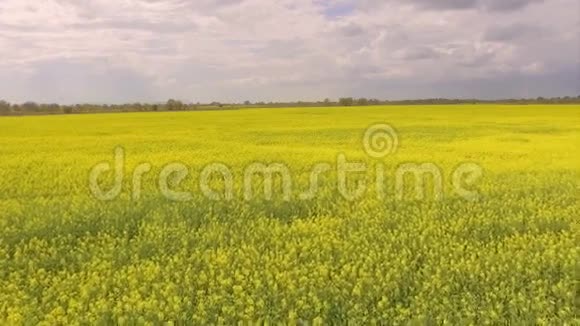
349	101
32	108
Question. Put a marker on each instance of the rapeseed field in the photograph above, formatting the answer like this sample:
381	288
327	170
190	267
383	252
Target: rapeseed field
507	254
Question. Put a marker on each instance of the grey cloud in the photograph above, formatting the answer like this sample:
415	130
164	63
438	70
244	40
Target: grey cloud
133	24
507	5
5	28
469	55
477	60
417	53
558	83
487	5
278	49
351	30
447	4
69	81
507	33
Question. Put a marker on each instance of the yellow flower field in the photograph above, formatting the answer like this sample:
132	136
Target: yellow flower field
508	256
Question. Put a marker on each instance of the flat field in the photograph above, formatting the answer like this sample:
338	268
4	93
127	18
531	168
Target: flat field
503	247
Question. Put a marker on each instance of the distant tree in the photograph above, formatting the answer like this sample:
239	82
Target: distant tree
346	101
173	105
51	108
30	107
362	101
247	103
5	107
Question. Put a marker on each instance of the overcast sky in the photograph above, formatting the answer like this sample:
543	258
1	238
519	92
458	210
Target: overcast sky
112	51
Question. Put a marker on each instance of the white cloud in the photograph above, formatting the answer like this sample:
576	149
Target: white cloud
201	50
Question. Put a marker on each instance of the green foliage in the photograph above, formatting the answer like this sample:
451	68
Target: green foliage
362	102
346	101
5	107
173	105
509	258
